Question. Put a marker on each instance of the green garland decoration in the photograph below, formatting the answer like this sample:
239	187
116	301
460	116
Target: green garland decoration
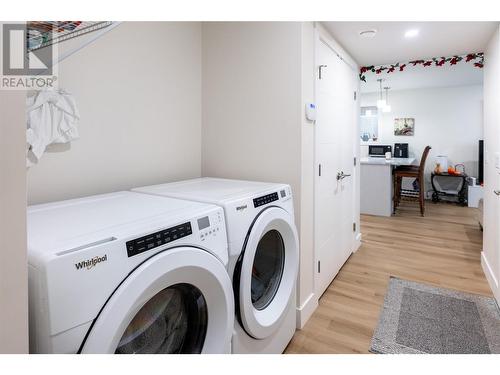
476	58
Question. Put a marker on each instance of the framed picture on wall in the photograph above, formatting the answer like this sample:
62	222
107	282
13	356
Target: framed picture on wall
404	126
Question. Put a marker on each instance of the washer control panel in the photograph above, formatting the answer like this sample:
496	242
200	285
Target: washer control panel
150	241
210	226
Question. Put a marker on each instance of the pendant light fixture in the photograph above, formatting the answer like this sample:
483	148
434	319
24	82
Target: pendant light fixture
381	102
387	108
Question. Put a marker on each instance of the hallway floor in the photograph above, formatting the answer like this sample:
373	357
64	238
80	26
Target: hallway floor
443	249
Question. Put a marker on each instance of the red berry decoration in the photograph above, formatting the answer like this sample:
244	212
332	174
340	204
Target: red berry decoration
476	58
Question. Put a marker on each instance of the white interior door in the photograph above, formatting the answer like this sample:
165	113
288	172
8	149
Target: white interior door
335	125
491	210
490	257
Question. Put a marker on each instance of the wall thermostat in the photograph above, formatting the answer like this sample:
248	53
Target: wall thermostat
311	111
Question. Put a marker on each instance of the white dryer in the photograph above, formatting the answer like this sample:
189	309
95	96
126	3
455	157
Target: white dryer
263	255
128	273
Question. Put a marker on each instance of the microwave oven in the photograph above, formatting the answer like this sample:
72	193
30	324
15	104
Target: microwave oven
378	150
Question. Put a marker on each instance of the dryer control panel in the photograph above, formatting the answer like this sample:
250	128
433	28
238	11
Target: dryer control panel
210	226
145	243
265	199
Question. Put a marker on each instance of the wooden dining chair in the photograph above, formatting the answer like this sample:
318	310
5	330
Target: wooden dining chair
411	171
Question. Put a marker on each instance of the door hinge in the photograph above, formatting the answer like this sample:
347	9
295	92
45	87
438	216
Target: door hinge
355	161
354	227
319	170
355	95
319	266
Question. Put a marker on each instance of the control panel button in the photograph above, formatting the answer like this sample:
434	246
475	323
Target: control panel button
141	244
260	201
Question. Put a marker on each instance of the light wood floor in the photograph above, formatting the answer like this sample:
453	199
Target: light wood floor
443	249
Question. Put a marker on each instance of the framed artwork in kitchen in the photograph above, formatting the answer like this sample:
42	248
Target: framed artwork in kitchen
404	126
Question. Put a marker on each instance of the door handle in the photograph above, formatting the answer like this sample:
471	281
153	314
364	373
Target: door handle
497	192
321	67
341	175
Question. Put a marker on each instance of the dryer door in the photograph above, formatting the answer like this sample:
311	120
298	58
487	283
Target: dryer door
178	301
267	272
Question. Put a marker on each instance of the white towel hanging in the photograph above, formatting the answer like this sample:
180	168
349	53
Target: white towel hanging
52	117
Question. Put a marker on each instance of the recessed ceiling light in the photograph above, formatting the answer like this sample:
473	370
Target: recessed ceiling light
367	33
412	33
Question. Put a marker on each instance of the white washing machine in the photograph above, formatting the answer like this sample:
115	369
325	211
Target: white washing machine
263	255
128	273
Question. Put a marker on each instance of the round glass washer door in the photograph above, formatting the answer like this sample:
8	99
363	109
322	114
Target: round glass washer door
178	301
267	268
268	272
174	321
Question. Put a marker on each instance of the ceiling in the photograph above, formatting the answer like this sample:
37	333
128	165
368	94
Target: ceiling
389	45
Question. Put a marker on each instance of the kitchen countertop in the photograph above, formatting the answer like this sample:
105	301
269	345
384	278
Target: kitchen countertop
377	184
384	161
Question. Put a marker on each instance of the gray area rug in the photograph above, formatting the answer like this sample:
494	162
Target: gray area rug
419	318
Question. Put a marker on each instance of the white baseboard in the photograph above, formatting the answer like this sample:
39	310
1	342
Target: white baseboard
490	276
357	242
305	311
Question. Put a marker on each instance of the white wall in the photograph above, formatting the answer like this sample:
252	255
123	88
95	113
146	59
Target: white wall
491	238
251	83
450	119
13	262
138	89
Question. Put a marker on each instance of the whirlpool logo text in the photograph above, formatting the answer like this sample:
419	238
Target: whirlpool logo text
91	263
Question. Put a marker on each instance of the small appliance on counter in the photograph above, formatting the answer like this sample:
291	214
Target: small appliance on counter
401	150
441	164
379	150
